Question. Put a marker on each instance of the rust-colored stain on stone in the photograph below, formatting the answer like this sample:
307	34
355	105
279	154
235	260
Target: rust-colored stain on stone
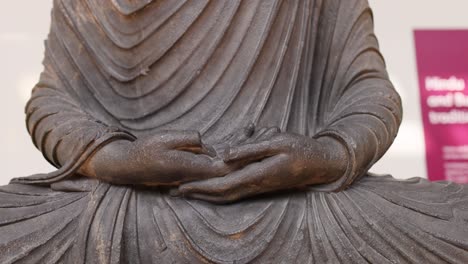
220	132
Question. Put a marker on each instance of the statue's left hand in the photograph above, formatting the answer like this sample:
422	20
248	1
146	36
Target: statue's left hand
285	161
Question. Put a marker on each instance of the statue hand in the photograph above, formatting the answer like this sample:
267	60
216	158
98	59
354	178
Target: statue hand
284	161
167	158
248	134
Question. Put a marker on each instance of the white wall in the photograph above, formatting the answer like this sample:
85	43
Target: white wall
23	27
22	31
395	21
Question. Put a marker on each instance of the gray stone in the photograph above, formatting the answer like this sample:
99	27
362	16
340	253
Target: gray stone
220	132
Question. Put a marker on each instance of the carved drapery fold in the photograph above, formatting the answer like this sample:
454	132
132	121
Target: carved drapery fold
309	67
377	220
119	69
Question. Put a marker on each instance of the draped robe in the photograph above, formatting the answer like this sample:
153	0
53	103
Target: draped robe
121	69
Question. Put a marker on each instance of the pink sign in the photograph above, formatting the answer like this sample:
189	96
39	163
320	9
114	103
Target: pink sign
442	57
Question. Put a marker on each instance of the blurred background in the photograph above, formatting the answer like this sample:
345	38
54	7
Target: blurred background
24	26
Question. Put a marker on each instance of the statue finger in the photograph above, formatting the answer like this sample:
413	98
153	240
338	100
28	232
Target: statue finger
256	135
190	141
251	152
251	179
252	183
244	134
208	150
180	139
223	144
213	186
193	165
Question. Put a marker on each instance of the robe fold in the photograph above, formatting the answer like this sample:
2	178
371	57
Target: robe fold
121	69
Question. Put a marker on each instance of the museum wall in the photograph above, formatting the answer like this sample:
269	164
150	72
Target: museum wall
24	26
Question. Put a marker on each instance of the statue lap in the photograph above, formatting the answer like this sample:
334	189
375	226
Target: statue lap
376	220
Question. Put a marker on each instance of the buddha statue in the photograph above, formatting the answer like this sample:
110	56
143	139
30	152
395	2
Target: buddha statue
220	132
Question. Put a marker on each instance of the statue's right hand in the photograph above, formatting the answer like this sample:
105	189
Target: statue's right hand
166	158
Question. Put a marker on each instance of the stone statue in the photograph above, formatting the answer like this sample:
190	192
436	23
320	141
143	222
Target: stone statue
220	132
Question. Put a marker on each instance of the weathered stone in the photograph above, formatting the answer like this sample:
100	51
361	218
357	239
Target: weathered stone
220	132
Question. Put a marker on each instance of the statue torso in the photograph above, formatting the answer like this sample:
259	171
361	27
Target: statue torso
212	66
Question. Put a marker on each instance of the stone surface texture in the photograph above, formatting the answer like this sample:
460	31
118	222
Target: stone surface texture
300	71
